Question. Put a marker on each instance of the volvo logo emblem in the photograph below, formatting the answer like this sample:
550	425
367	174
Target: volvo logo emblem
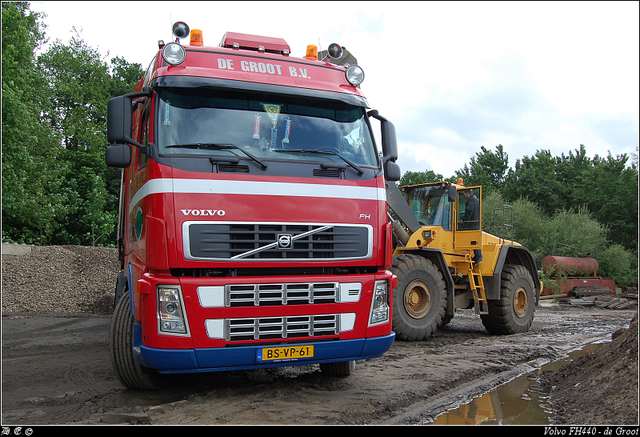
284	241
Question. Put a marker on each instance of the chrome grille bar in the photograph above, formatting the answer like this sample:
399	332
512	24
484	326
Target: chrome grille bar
284	242
281	327
282	294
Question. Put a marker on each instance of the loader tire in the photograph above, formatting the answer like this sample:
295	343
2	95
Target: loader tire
419	300
513	312
129	372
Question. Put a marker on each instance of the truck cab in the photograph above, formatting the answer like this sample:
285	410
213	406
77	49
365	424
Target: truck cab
253	223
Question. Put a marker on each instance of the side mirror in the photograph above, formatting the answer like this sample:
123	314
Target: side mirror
389	143
391	171
389	147
452	193
119	120
118	156
119	112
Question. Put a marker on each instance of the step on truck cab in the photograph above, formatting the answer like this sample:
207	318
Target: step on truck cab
253	224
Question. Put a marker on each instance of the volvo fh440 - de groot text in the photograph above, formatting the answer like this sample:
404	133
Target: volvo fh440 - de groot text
253	224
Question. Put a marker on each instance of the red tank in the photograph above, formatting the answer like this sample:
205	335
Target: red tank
570	266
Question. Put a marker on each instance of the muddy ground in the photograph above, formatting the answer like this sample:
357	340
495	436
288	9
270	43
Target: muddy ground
56	370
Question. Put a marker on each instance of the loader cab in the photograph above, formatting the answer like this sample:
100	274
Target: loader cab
453	207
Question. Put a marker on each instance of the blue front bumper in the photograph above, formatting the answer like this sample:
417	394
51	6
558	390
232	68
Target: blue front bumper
245	357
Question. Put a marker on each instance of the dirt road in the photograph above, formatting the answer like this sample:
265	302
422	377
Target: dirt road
56	370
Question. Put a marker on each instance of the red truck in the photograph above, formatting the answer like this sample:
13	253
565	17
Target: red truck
253	226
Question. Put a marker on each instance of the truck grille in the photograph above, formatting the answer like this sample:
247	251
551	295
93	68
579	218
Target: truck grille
281	327
276	242
282	294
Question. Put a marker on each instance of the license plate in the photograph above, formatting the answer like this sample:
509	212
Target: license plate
285	353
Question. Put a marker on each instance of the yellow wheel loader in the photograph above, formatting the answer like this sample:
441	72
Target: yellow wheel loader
444	261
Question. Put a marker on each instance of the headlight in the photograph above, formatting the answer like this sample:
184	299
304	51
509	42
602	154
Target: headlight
355	75
380	303
170	313
173	53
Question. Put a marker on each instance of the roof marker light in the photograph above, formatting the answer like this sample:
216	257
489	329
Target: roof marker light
196	37
312	52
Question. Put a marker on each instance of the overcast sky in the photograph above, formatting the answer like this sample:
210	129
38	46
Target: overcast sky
451	76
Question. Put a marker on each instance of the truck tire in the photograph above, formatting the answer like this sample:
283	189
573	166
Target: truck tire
513	312
419	300
343	368
121	288
130	373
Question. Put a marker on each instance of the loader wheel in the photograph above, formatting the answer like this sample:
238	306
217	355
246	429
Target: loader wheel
419	300
130	373
513	312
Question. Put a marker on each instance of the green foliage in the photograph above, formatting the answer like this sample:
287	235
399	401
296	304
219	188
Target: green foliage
619	264
606	187
577	229
535	179
611	193
419	177
487	169
526	218
56	188
567	233
78	80
32	181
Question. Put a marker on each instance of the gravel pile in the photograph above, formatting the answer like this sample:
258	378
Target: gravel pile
60	279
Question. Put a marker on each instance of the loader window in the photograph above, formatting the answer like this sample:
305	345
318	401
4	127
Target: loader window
430	205
469	209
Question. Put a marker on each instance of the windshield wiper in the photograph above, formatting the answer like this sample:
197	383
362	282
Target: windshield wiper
221	146
324	152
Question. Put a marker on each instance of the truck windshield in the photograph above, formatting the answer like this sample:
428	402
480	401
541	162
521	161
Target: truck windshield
265	126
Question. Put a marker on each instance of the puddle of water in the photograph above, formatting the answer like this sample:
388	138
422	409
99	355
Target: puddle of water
514	403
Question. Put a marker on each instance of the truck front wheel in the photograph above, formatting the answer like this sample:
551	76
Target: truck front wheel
513	312
343	368
130	373
419	300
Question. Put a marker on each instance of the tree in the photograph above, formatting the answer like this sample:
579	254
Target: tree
56	186
81	83
535	179
572	173
124	76
611	194
556	235
419	177
487	168
618	264
607	187
33	197
530	225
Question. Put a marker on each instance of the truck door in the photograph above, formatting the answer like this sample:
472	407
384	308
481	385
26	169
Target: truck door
468	235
